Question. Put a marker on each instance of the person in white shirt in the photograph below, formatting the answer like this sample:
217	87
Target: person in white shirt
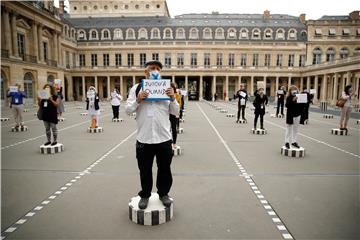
347	95
115	103
153	136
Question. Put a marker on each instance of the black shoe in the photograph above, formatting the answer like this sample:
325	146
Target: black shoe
143	203
345	129
54	143
295	145
47	143
237	121
287	145
166	200
262	127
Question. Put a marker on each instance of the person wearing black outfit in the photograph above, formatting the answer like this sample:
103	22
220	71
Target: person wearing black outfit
306	106
281	93
49	113
243	97
293	115
259	103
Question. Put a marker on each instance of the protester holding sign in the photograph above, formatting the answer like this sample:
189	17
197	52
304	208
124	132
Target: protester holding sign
48	102
174	119
293	114
243	97
59	90
92	105
153	134
17	103
261	100
306	106
115	103
280	100
347	96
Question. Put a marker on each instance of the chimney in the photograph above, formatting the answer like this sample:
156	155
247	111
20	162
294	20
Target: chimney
266	14
302	18
61	7
354	15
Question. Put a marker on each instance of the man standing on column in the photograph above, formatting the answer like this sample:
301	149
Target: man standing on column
153	136
280	100
243	97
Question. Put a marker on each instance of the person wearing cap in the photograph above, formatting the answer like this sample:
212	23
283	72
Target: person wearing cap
153	136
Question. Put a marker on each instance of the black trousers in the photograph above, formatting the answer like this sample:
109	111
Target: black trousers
280	104
257	114
145	154
174	126
241	108
115	111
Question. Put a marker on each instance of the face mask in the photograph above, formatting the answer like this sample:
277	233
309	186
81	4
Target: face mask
350	90
261	92
294	92
155	75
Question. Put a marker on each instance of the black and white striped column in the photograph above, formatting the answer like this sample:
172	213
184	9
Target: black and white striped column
49	149
337	131
95	130
293	152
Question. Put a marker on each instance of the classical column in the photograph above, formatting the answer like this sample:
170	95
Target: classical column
55	58
201	88
227	88
308	83
83	87
238	84
348	78
35	40
40	48
265	79
252	85
122	93
316	86
7	33
187	86
323	88
301	84
213	88
58	47
96	84
108	87
14	36
133	80
276	84
173	78
289	82
335	88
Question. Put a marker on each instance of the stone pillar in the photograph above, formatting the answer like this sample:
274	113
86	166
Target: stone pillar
227	88
323	88
35	40
55	39
83	88
335	88
265	79
316	86
108	87
238	84
133	80
276	85
40	44
8	42
201	88
122	93
348	78
289	82
308	83
187	87
301	84
252	86
213	88
14	36
58	48
96	84
173	78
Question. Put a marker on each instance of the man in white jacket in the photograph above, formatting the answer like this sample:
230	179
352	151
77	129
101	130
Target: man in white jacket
153	136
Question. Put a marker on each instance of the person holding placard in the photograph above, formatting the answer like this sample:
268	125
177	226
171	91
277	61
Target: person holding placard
17	103
293	114
347	96
261	100
115	103
59	90
48	101
174	119
280	100
243	97
93	107
306	106
153	133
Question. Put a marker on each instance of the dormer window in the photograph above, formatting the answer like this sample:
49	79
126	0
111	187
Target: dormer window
346	32
332	32
318	32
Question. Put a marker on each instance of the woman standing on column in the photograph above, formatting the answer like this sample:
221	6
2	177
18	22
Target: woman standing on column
92	105
259	103
174	119
60	108
115	103
346	109
293	115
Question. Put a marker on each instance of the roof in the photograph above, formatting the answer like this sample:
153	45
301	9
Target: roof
336	18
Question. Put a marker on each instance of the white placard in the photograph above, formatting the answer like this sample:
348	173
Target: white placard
302	98
183	93
113	94
312	91
280	92
57	82
44	94
90	94
242	102
13	89
242	94
156	88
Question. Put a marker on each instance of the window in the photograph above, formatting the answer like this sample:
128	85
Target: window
155	33
267	60
168	34
231	34
167	59
142	34
45	51
219	34
243	59
117	59
206	60
130	59
231	60
93	60
256	34
21	44
28	85
279	60
255	62
67	59
207	33
244	33
330	55
318	32
346	32
73	59
193	60
126	6
105	7
142	59
106	34
344	53
81	35
219	60
316	56
180	33
280	34
268	34
137	6
93	34
194	33
82	62
358	32
147	6
292	34
357	51
180	59
155	56
291	60
106	59
302	60
332	32
118	34
130	34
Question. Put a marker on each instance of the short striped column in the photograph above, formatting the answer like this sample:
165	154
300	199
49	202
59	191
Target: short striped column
95	130
337	131
293	152
258	131
19	129
49	149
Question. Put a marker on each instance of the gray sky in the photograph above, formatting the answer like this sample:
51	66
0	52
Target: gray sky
313	9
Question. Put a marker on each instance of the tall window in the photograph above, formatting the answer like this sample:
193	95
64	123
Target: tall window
168	59
316	56
243	59
255	60
117	59
45	50
219	60
194	34
302	60
94	34
106	59
67	59
180	60
193	60
206	60
106	34
231	60
291	60
21	44
28	85
155	56
93	60
330	55
279	60
73	59
82	62
344	53
142	59
130	59
267	60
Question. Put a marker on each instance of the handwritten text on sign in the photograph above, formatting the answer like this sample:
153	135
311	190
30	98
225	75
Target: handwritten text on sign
156	88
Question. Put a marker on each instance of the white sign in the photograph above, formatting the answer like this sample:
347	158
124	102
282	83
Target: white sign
57	82
183	93
312	91
242	102
242	94
113	94
44	94
90	94
302	98
280	91
156	88
13	89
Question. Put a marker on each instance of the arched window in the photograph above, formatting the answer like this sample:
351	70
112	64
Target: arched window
50	79
219	33
106	34
231	33
292	34
268	34
168	33
143	33
93	34
180	33
155	33
344	52
256	33
82	35
28	85
280	34
330	54
194	33
118	34
316	56
303	34
207	33
244	33
357	51
130	33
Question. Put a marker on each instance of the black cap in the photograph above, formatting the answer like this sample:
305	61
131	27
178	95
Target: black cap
154	62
